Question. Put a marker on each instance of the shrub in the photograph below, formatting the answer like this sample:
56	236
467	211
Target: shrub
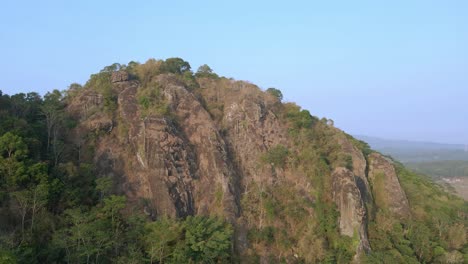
277	156
175	65
276	93
205	71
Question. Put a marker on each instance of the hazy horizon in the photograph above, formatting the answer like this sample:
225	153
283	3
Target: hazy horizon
394	70
363	137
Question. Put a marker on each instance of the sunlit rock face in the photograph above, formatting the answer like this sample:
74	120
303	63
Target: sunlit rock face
203	156
386	187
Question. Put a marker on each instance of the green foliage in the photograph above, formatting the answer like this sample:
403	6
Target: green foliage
208	240
113	68
204	71
150	96
147	71
55	117
162	239
195	240
175	65
151	100
277	156
266	234
361	145
12	147
298	118
426	198
101	82
348	159
437	169
420	237
432	234
104	186
7	257
276	93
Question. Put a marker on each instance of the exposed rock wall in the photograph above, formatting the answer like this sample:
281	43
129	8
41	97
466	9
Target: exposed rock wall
350	205
359	166
172	168
251	130
197	161
214	165
386	187
351	192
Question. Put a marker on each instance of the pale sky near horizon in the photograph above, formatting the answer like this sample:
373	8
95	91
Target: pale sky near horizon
392	69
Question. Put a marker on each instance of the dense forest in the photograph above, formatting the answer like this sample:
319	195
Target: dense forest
57	206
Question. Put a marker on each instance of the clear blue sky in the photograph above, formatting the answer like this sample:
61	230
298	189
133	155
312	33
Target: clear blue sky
393	69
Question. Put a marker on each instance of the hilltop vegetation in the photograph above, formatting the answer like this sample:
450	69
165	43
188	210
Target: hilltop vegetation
153	163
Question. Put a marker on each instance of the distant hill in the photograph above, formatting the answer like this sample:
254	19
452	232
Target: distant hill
447	164
445	168
417	151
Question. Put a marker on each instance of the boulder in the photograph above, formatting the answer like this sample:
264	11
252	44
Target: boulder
119	76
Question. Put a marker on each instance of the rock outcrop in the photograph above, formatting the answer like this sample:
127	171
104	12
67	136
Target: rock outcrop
359	166
386	187
119	76
351	192
349	201
201	158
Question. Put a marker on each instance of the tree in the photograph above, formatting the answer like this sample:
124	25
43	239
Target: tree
208	240
206	72
29	202
13	151
147	71
12	146
456	236
38	196
276	156
161	238
175	65
104	186
111	208
52	111
113	67
276	93
90	234
7	257
73	90
420	237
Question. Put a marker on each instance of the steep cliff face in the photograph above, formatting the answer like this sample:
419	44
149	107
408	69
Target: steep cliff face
349	201
206	154
251	128
359	166
386	187
351	192
174	168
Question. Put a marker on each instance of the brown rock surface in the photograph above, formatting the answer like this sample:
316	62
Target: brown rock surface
386	187
200	158
119	76
348	199
359	165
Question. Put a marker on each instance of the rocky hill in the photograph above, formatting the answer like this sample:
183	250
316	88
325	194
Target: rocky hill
294	188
